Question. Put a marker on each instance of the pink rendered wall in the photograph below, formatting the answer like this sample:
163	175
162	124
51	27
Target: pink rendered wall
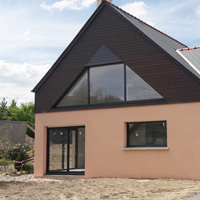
105	131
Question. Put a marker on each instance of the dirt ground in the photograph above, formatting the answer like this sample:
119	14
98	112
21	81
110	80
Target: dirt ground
95	189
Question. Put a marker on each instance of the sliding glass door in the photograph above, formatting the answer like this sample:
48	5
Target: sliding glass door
66	150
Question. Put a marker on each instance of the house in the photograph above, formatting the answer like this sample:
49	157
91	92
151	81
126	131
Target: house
123	100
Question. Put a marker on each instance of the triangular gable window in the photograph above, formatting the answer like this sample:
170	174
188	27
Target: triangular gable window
137	88
103	57
108	84
78	94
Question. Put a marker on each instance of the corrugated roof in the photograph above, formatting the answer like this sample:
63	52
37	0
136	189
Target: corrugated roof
192	56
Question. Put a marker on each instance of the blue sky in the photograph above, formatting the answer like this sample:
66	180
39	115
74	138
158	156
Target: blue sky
34	33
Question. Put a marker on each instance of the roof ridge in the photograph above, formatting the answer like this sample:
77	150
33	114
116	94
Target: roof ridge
146	24
189	48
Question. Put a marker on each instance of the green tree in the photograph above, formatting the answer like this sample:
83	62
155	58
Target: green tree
25	112
3	109
11	110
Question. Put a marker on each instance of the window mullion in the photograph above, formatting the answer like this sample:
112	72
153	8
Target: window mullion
88	85
124	82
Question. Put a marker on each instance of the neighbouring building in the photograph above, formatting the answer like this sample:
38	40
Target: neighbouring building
123	100
13	132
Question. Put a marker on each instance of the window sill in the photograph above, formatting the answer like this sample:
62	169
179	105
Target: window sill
144	148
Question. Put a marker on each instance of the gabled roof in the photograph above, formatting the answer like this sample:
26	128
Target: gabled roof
166	43
192	56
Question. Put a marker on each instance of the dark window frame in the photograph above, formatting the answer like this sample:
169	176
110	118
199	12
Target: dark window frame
88	105
53	172
89	83
145	146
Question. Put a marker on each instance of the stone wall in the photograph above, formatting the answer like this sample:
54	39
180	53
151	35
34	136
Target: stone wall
13	131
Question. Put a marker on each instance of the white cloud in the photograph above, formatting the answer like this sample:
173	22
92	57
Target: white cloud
198	11
176	18
27	33
17	80
137	8
68	4
25	38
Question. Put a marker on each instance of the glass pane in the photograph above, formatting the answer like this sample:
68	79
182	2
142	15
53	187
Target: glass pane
77	150
72	146
58	149
81	148
147	134
137	88
107	84
78	95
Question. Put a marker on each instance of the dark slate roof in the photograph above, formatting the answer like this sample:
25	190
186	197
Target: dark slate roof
192	56
165	42
168	44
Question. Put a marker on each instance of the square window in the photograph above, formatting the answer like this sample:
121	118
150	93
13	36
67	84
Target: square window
147	134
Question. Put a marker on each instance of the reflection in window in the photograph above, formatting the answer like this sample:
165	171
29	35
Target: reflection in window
58	140
78	95
66	149
147	134
107	84
137	88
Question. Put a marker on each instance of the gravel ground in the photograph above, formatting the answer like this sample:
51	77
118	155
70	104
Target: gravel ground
27	187
23	178
193	197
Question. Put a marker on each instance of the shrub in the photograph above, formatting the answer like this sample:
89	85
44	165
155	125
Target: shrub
4	148
21	157
3	154
16	149
28	167
30	153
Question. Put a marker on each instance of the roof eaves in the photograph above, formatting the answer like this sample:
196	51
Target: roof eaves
179	52
189	48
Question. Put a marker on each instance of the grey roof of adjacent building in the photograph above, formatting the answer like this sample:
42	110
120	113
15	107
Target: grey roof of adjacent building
192	56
